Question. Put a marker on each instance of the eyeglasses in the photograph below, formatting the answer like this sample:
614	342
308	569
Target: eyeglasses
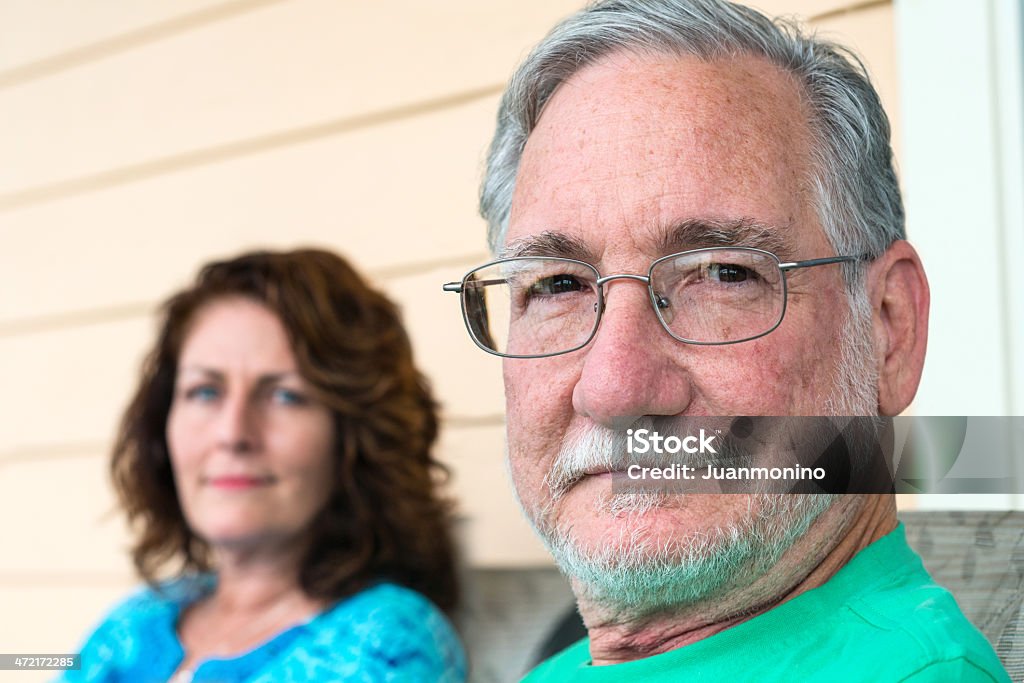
540	306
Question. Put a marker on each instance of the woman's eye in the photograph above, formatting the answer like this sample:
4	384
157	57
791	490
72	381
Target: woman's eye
204	393
288	397
556	284
725	272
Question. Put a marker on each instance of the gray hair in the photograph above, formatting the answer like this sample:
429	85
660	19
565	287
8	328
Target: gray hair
856	195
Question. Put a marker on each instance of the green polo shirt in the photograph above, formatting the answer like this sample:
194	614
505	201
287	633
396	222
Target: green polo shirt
881	619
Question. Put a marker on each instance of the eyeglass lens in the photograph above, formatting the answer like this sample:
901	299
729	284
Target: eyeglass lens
543	306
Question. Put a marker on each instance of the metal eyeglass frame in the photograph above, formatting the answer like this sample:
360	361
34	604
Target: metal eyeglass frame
459	288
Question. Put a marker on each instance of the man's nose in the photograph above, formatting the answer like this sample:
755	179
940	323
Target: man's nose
632	367
237	429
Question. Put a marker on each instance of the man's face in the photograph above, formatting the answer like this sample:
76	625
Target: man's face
627	151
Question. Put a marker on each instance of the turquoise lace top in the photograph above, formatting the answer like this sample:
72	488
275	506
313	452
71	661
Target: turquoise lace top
385	633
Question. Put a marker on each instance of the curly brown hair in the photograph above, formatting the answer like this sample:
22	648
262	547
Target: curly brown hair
384	519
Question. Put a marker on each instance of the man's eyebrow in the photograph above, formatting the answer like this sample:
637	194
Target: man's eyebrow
548	243
744	232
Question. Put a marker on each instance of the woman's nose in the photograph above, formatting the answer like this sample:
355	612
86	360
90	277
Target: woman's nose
237	425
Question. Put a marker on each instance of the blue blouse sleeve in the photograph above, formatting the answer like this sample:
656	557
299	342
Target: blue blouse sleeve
386	634
93	662
134	638
104	646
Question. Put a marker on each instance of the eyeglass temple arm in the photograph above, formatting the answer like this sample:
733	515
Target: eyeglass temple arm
824	261
457	287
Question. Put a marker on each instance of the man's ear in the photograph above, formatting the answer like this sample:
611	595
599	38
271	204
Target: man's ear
898	290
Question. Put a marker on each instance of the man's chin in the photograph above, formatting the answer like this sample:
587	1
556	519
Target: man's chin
625	553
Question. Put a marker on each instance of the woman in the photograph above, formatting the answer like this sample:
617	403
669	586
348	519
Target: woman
277	451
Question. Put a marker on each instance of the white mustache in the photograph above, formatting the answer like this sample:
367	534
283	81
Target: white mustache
592	449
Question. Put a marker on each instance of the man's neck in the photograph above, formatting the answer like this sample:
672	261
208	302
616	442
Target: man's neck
849	526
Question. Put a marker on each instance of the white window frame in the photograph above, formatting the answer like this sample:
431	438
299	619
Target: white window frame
962	99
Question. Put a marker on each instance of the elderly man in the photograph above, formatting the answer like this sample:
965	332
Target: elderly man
696	214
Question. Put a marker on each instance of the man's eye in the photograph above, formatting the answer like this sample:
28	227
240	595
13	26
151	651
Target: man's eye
556	284
203	393
727	272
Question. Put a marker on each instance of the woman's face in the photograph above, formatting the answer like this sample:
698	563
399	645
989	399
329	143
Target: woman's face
250	448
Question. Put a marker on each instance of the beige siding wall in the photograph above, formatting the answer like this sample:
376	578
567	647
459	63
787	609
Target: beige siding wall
141	139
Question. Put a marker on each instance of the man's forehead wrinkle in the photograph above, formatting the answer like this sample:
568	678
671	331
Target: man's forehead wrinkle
625	152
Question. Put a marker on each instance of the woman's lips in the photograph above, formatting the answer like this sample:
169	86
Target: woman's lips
234	482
